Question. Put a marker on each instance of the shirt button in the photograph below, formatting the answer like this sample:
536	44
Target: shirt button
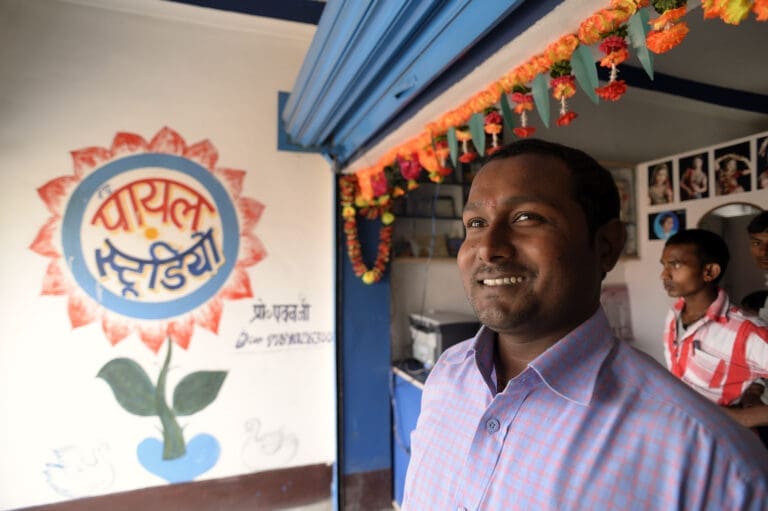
492	426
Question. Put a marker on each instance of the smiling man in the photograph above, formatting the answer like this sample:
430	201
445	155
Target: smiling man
544	409
758	247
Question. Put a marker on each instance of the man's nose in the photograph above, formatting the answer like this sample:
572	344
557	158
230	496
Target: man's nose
495	243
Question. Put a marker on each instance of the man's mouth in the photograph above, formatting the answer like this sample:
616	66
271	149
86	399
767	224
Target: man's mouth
503	281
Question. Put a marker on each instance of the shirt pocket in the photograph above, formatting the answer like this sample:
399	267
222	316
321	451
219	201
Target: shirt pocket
705	369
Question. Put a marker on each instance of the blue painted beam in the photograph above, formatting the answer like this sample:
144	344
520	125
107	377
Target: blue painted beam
371	58
722	96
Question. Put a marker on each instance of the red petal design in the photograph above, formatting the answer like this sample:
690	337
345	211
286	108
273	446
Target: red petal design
54	282
233	180
238	286
181	331
116	329
251	250
152	335
81	310
85	160
203	153
208	315
250	212
43	243
128	143
167	141
55	191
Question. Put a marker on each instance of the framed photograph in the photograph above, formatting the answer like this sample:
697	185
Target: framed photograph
733	169
664	224
762	163
694	176
625	182
660	189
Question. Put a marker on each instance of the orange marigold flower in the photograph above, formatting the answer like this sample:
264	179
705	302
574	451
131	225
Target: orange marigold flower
613	91
563	86
463	135
668	17
493	129
712	8
492	150
522	102
661	41
467	157
562	49
760	7
524	131
614	58
566	118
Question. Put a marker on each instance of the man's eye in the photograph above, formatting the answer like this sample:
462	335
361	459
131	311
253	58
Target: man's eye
474	223
525	216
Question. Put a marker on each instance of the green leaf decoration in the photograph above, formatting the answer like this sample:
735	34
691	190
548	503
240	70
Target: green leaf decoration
453	146
583	65
131	386
477	129
637	29
507	114
196	391
540	91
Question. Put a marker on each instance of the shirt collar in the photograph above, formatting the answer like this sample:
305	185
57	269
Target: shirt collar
569	368
717	310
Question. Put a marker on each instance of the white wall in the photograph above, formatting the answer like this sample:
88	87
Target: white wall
72	75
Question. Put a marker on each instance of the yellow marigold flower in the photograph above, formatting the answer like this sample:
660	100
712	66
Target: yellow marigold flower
735	11
348	212
369	277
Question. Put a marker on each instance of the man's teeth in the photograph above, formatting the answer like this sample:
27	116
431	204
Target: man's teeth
503	281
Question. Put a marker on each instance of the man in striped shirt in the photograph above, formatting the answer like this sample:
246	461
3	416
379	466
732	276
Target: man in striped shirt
710	344
544	409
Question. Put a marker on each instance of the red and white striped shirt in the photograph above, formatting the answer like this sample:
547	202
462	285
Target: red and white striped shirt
720	354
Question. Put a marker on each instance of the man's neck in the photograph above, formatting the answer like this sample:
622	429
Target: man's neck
696	305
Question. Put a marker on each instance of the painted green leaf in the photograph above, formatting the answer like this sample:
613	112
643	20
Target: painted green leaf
477	129
453	146
540	90
507	114
637	29
583	65
131	386
196	391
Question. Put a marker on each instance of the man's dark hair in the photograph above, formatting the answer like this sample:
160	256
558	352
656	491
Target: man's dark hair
758	224
754	301
710	248
592	186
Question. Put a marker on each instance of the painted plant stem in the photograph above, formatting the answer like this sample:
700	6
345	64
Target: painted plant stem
173	438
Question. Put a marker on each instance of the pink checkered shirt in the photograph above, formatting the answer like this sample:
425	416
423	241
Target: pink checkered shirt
590	424
720	354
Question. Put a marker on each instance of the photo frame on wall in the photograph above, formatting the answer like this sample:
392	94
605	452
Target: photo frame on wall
733	169
693	181
664	224
761	166
660	189
625	182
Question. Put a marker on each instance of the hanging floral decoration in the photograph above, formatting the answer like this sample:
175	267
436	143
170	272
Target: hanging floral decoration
614	46
347	185
668	29
493	125
369	191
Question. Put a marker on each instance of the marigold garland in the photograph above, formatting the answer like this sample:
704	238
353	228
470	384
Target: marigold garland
369	276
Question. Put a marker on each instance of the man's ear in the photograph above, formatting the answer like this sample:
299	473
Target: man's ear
609	243
711	271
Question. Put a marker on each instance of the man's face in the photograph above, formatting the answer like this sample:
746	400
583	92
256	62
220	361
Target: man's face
758	247
682	273
528	264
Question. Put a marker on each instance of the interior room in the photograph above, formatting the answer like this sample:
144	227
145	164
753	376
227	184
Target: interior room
220	291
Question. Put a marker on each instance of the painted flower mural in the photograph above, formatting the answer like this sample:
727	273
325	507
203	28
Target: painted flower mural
157	237
151	237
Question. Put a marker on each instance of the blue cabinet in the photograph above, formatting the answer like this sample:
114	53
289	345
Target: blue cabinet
406	406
